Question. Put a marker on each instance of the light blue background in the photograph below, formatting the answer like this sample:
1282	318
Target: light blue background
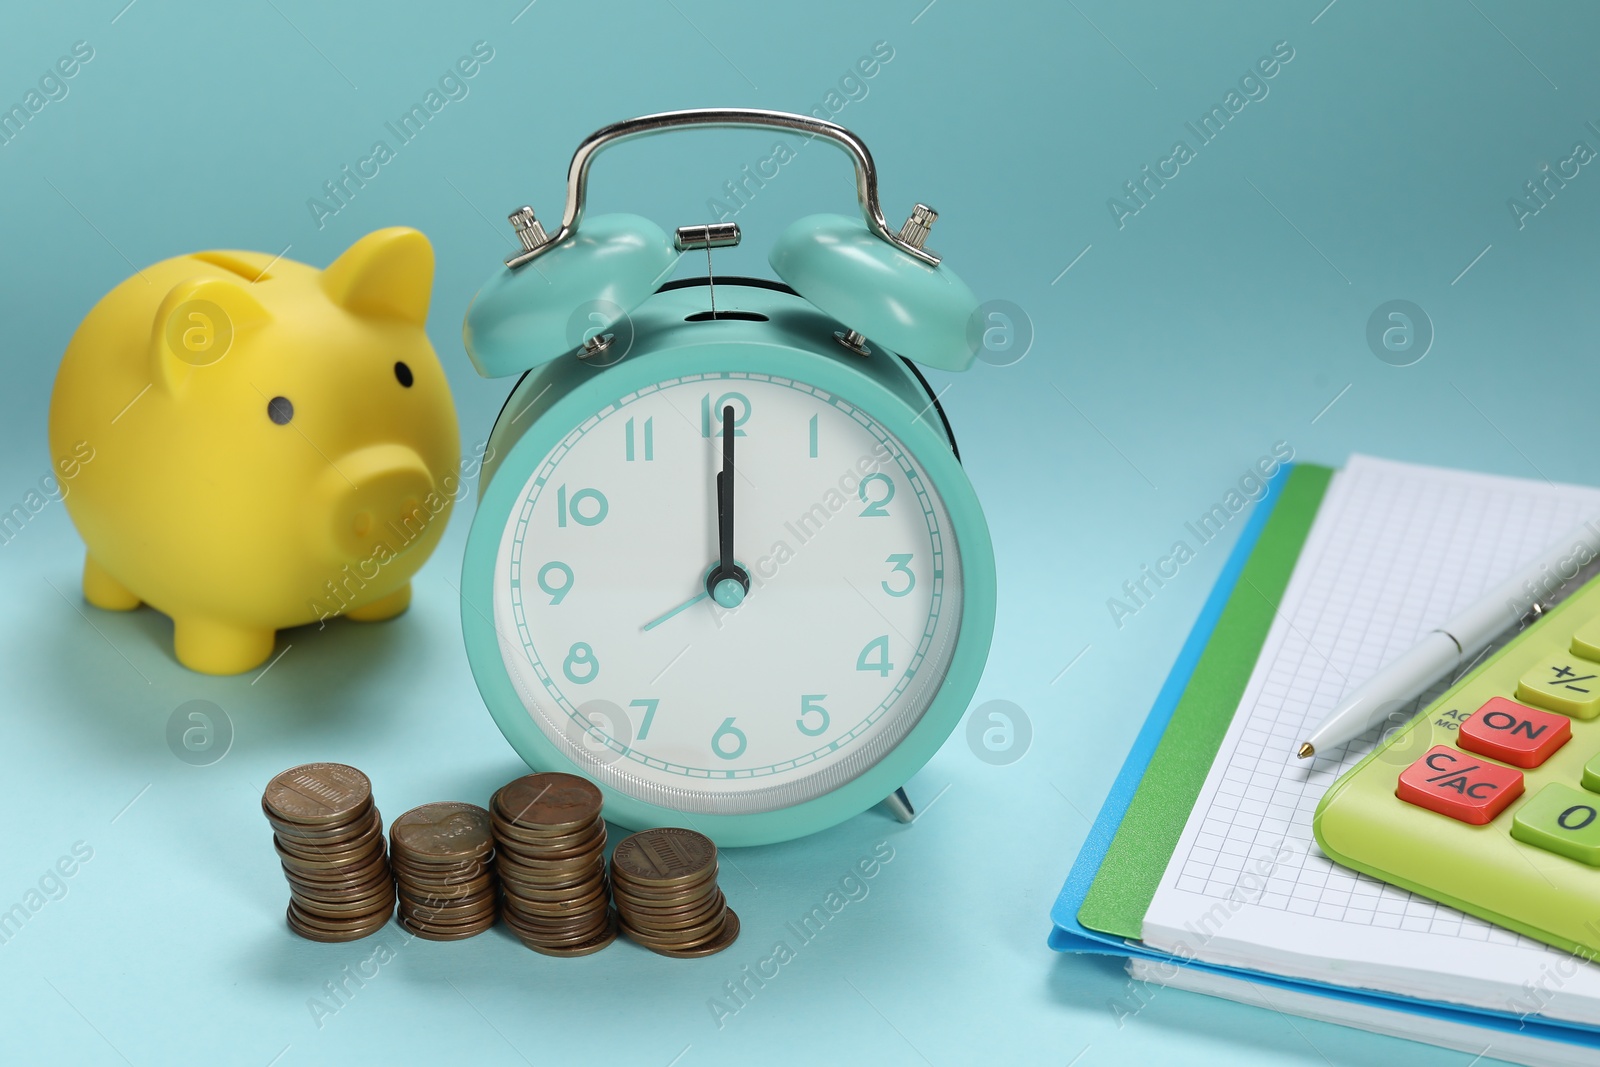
1226	315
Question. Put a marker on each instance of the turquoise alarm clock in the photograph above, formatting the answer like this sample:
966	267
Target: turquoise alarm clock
726	563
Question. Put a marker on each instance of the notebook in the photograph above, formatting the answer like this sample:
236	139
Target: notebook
1204	853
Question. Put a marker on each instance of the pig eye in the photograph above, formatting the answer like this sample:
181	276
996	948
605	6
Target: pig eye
280	410
402	374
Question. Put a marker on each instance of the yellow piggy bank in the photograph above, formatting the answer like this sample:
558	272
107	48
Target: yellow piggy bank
272	444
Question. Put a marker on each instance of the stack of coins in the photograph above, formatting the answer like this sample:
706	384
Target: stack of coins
441	854
550	853
664	882
329	835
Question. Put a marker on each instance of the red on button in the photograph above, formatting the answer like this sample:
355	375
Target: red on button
1461	786
1515	733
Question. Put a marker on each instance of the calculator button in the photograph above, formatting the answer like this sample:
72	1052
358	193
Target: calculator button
1513	733
1562	820
1591	774
1459	785
1563	683
1586	640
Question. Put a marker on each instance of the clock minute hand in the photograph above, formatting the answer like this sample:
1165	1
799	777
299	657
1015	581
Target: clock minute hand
727	582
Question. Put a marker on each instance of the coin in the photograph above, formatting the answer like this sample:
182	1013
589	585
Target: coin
664	884
550	857
550	801
444	874
664	857
328	835
446	930
446	832
594	944
317	794
728	935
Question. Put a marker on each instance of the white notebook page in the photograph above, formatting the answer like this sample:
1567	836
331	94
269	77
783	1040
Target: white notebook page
1395	551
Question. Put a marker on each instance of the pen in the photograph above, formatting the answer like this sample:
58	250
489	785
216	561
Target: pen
1442	650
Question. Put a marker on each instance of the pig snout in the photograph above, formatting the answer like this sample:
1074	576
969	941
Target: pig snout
377	498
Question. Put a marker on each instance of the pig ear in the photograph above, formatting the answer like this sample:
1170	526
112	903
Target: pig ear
386	274
198	322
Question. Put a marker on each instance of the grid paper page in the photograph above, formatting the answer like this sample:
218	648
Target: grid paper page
1395	551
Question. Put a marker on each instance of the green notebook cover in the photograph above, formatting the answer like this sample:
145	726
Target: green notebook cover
1138	855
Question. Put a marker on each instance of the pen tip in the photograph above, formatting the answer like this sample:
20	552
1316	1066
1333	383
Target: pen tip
1306	751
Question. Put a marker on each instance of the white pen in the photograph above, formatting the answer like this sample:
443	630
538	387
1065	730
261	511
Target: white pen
1457	641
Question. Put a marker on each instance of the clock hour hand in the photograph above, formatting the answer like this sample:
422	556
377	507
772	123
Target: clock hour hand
727	583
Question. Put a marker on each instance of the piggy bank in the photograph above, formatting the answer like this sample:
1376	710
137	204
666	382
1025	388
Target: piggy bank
272	445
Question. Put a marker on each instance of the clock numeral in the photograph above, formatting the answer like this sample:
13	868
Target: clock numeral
876	501
587	507
557	593
882	665
711	413
809	703
649	440
728	730
649	707
581	658
814	436
902	565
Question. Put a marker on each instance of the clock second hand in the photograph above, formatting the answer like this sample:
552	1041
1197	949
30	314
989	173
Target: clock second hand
685	606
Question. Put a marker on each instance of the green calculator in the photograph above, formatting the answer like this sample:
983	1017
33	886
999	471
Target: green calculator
1489	801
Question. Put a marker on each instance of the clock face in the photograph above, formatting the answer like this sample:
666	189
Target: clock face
653	688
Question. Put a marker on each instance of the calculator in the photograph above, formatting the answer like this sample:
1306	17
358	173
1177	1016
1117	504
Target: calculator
1489	800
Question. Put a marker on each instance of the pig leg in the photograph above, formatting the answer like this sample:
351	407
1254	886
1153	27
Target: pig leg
220	648
104	591
385	607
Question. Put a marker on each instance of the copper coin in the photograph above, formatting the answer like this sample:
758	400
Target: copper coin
476	900
664	857
316	794
322	930
729	934
539	895
358	849
446	832
346	911
508	846
544	839
329	868
360	821
336	827
454	891
649	896
441	875
584	948
339	881
670	920
355	934
550	801
677	929
511	866
443	913
556	909
556	936
436	933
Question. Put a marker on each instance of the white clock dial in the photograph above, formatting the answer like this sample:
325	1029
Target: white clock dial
650	686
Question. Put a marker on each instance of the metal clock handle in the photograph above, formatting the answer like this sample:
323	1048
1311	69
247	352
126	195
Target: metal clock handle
909	238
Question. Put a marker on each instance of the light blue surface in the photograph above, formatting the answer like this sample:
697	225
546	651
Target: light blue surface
1229	312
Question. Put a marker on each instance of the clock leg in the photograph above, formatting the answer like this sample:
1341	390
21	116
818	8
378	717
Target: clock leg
900	805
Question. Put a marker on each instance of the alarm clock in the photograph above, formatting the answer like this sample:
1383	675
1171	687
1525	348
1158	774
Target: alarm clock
726	563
